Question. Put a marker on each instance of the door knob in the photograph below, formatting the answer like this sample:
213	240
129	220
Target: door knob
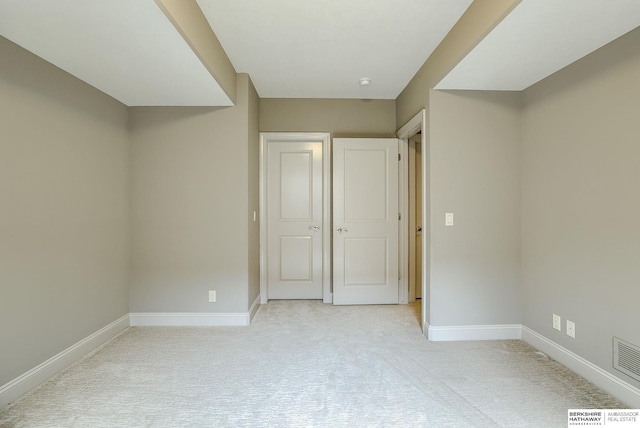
419	229
341	229
314	228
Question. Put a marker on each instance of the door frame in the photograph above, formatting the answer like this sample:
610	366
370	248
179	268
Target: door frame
417	123
292	137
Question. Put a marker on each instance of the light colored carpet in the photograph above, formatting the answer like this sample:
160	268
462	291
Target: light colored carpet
304	363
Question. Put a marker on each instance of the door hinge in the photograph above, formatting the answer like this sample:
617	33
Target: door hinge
399	276
399	157
399	216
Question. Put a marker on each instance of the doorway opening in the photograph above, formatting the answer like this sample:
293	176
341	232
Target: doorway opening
415	185
415	217
413	133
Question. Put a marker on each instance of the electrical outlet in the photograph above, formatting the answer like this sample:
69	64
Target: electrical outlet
557	322
212	296
571	329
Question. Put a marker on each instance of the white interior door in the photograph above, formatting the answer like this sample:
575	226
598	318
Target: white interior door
365	221
295	214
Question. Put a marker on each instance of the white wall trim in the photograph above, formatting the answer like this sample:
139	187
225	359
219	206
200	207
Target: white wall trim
24	383
415	124
620	389
189	319
254	308
473	332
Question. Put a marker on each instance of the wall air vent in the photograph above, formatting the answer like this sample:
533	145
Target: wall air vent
626	358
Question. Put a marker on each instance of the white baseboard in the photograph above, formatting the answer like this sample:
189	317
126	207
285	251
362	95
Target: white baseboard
620	389
195	319
16	388
254	308
472	332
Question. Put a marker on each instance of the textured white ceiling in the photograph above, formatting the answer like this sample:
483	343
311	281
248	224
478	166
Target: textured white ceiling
126	48
540	37
321	48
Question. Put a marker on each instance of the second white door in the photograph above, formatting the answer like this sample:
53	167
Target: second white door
365	221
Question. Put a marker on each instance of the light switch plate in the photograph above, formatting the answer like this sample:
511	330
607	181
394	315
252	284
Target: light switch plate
448	219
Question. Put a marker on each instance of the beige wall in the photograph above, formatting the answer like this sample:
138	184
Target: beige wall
448	289
474	172
63	210
253	142
342	118
192	202
581	204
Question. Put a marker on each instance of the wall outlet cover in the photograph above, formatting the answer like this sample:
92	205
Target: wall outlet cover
571	329
557	322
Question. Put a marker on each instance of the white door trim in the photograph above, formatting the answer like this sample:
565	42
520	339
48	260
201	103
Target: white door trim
325	138
403	223
417	123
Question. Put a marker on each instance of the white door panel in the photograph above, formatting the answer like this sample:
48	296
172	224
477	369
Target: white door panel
365	221
294	210
296	258
359	252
